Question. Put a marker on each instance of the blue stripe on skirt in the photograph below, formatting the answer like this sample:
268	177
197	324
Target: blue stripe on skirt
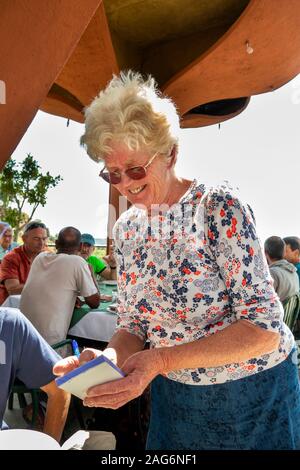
258	412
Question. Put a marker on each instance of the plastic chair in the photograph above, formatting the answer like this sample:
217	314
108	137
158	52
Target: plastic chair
20	388
291	308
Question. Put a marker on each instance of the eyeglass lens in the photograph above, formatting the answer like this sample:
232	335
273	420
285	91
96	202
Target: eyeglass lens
135	173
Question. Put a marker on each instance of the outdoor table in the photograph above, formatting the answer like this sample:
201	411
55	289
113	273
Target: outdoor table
95	324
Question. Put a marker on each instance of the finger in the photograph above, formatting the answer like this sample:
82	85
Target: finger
110	401
66	365
110	388
111	354
88	355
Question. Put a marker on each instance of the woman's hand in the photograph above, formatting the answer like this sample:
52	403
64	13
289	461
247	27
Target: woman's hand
140	369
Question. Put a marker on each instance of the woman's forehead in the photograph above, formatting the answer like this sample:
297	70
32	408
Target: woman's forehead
124	157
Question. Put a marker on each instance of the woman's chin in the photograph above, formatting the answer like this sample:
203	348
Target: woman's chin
140	199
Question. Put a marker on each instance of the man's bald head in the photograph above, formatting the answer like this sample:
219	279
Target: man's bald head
68	240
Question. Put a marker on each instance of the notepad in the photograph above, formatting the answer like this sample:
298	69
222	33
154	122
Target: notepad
95	372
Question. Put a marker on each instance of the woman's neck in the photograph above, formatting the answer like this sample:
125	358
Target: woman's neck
178	188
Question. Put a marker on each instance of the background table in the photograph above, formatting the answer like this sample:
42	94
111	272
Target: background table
95	324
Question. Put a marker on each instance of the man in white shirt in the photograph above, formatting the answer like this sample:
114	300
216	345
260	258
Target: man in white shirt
54	282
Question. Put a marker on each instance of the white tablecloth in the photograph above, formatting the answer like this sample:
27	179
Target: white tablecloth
99	326
95	325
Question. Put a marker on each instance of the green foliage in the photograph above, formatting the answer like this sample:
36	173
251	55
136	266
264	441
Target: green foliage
22	183
99	252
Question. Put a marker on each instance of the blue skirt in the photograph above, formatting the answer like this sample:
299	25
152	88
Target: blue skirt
259	412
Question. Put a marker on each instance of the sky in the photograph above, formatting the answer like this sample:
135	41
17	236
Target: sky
258	151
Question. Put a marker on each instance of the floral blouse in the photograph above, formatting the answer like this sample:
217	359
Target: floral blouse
193	269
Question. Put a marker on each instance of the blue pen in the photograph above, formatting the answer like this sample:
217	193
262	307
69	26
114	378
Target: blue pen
75	348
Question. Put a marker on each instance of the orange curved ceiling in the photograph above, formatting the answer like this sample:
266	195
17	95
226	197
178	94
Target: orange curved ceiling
209	56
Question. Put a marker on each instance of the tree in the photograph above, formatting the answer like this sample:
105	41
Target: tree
22	183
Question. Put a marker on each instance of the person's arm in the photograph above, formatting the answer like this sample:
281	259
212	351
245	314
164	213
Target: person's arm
93	276
87	283
93	301
57	410
111	270
125	344
109	273
9	275
13	286
275	278
30	348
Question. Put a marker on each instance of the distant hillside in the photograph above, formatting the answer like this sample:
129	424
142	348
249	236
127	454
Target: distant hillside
100	241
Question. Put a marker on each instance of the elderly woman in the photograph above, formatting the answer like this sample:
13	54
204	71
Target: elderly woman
194	282
6	239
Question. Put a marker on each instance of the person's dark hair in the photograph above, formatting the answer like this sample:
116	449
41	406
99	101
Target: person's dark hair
294	242
34	224
68	240
274	247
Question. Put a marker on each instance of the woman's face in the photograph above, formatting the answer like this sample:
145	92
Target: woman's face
154	188
6	238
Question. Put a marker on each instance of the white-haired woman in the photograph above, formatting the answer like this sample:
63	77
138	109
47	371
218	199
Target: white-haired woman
193	281
6	239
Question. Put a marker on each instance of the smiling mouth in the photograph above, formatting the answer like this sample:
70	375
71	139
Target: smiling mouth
137	190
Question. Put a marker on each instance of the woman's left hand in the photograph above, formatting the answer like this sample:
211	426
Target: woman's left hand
140	369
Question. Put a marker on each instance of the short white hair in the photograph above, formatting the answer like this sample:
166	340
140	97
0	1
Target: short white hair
132	111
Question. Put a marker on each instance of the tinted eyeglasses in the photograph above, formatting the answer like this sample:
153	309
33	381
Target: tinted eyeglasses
135	173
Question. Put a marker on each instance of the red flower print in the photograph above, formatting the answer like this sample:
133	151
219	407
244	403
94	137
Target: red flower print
199	296
210	235
186	271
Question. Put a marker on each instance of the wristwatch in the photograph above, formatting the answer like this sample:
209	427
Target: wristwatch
113	267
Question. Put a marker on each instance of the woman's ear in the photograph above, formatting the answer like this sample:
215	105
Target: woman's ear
173	157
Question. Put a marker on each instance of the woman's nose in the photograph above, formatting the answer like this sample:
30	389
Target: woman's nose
125	181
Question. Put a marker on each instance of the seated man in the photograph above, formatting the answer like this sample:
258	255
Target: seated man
87	247
54	282
16	264
6	241
292	252
284	274
25	355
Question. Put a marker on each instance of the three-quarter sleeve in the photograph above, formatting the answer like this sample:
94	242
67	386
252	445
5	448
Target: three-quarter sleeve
232	238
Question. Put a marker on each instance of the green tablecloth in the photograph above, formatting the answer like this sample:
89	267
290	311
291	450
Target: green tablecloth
79	313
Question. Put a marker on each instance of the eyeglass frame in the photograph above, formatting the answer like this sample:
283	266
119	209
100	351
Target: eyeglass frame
144	167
